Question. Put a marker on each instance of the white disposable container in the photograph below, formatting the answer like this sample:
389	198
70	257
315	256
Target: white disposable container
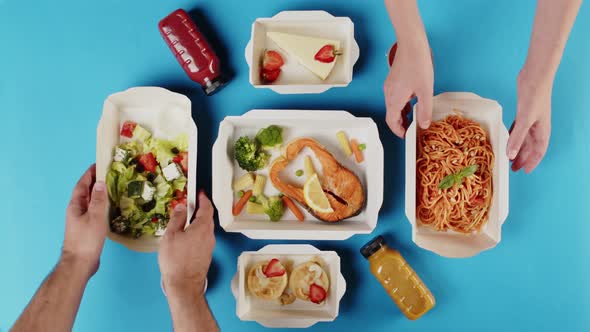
322	126
299	314
452	244
294	77
166	115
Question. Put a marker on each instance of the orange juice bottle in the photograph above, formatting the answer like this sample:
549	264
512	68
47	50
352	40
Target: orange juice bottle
399	280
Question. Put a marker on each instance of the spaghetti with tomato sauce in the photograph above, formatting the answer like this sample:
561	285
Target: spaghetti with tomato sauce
444	149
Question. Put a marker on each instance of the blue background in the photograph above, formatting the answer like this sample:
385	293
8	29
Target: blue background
59	60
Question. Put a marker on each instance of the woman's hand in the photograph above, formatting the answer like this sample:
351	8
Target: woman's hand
411	74
529	136
530	132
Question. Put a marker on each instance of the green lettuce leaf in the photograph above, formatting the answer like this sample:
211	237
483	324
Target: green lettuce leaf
162	149
128	207
111	182
179	184
132	147
181	142
118	167
123	179
161	207
149	228
163	190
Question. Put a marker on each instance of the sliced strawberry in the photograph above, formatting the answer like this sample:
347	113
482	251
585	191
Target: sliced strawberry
148	161
316	294
269	76
272	60
128	128
274	269
326	54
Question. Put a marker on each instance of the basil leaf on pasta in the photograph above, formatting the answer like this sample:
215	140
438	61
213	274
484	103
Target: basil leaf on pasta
448	181
457	178
468	171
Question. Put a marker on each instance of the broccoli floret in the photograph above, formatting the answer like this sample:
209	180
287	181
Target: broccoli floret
249	155
273	207
270	137
120	225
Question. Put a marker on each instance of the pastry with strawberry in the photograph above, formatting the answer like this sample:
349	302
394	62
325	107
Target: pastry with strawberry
310	282
267	280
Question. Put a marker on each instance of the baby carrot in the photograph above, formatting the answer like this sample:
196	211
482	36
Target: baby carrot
237	209
289	203
358	154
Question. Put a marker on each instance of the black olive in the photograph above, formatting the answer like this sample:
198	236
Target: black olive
147	207
175	150
133	162
151	177
139	168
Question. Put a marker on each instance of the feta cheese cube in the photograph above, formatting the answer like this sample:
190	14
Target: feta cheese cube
121	154
160	231
148	191
172	172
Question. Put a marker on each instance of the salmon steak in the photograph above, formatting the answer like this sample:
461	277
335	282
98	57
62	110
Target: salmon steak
342	187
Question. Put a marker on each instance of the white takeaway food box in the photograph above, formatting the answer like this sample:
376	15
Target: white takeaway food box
299	314
322	126
166	115
295	78
452	244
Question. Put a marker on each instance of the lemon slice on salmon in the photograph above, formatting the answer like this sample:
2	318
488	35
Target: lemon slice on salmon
315	197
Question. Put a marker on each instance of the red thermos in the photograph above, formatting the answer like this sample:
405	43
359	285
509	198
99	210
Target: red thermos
192	51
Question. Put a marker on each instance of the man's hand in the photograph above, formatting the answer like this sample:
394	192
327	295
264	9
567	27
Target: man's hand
530	132
86	225
184	258
185	254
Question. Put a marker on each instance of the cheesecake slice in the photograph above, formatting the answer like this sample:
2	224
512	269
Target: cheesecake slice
304	49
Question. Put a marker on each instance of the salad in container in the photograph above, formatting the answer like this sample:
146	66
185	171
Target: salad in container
146	153
146	180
